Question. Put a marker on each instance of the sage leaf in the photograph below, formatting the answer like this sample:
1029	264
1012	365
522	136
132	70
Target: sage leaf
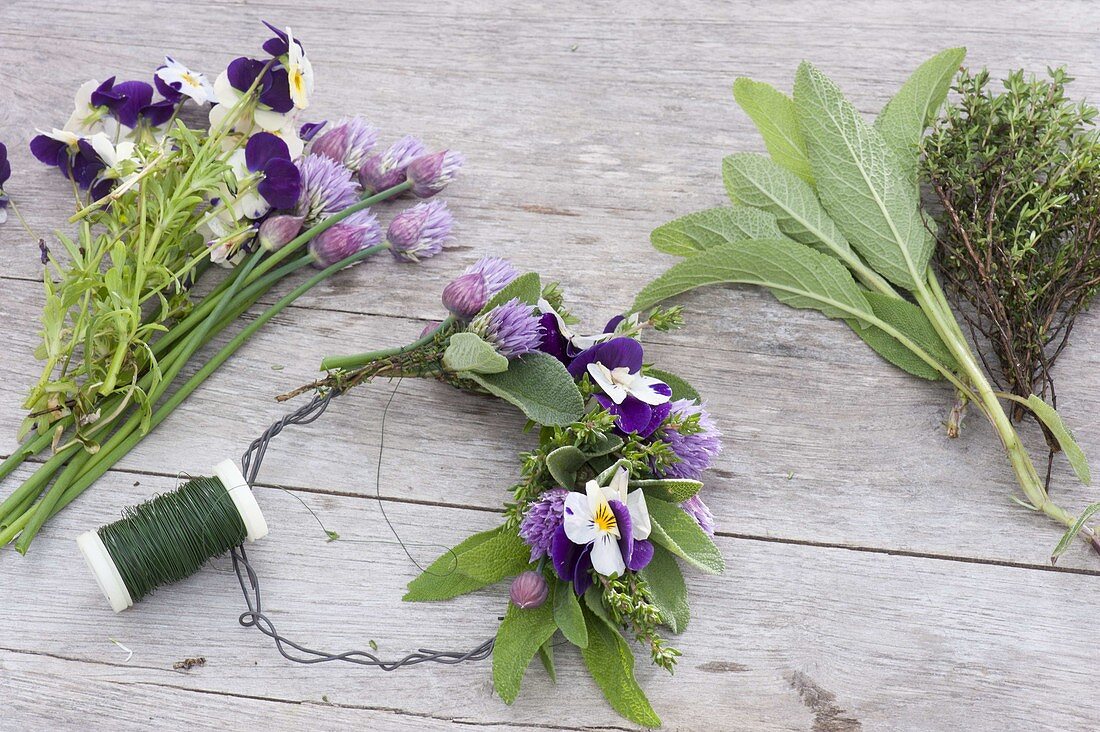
701	230
568	615
501	556
1053	422
527	287
442	580
563	464
611	663
680	534
859	183
540	386
774	115
903	120
667	587
914	324
519	637
603	443
676	490
1073	531
893	351
680	388
546	655
468	352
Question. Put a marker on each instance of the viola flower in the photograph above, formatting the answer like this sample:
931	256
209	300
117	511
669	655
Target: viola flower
131	103
639	402
561	341
698	510
348	142
300	72
173	79
357	232
327	187
606	528
120	161
87	118
273	102
542	520
421	231
512	328
697	448
430	174
74	156
266	157
5	174
388	169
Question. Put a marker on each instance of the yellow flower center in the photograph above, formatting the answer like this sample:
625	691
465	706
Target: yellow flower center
605	519
191	80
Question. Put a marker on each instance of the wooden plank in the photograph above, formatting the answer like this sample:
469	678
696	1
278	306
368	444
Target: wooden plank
789	637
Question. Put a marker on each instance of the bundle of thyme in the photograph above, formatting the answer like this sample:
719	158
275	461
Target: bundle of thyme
1017	173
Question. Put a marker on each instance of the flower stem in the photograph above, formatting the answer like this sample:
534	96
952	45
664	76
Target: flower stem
362	359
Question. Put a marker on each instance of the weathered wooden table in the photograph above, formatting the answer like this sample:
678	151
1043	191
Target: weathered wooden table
879	576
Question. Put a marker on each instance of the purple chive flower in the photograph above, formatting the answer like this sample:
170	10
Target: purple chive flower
420	232
513	328
355	233
277	231
430	174
698	510
349	142
310	129
543	518
640	403
529	590
327	188
282	182
467	294
498	272
388	169
696	450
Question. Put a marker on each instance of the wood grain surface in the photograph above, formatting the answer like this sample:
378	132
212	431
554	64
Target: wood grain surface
880	577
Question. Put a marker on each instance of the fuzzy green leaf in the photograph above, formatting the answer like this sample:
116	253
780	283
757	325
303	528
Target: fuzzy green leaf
563	464
675	490
680	388
666	585
603	443
519	637
755	180
568	615
503	555
546	655
859	182
911	321
774	114
701	230
611	663
527	287
1057	427
468	352
442	580
540	386
680	534
903	120
893	351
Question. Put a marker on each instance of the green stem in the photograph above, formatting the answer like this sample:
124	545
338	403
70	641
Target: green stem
362	359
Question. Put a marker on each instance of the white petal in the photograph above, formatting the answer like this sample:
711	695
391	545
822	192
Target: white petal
640	525
603	378
224	92
641	387
3	214
578	519
289	135
595	496
83	101
606	557
620	483
271	121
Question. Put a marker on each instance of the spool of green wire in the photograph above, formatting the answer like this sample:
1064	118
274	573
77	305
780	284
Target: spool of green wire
171	536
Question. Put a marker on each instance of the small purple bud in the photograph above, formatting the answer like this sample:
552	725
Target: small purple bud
421	231
277	231
355	233
430	174
466	295
387	169
529	590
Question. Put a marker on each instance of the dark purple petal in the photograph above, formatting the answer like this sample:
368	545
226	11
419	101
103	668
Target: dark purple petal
310	129
626	535
553	342
282	183
47	150
659	414
171	92
643	553
104	96
280	44
563	553
634	415
5	165
158	113
262	148
613	324
276	91
102	188
582	576
133	95
612	354
242	72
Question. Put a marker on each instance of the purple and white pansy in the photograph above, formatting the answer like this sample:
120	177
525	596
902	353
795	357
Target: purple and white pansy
640	403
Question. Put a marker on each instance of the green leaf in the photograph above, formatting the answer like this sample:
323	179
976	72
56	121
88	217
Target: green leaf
468	352
903	120
1057	427
540	386
675	490
527	287
605	475
1073	531
521	634
754	180
503	555
912	322
680	388
442	580
680	534
563	464
568	615
774	114
859	182
603	443
546	655
666	585
611	663
701	230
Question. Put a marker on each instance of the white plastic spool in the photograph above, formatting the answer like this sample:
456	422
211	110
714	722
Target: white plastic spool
103	567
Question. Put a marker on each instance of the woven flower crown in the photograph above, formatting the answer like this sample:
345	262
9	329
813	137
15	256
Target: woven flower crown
608	503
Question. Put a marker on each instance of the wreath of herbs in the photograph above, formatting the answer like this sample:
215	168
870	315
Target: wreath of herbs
830	219
608	502
1017	174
